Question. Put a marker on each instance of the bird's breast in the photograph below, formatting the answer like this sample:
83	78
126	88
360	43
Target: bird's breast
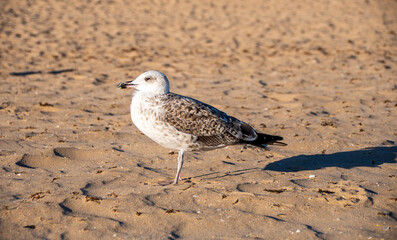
148	117
144	113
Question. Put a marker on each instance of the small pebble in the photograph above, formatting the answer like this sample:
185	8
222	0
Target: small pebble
312	176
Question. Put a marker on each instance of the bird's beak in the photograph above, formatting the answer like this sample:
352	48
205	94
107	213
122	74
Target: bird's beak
125	85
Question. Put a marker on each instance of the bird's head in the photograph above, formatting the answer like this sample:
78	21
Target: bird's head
150	82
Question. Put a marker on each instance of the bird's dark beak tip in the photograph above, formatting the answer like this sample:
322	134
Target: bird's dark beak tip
121	85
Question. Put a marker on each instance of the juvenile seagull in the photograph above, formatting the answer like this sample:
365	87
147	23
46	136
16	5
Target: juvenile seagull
185	124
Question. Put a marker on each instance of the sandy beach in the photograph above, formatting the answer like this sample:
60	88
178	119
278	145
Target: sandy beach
322	74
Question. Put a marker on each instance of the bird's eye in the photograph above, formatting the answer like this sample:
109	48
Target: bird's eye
147	78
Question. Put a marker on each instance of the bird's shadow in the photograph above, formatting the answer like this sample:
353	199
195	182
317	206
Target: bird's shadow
367	157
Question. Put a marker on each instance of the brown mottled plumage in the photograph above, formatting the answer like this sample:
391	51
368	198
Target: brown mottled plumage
183	123
212	127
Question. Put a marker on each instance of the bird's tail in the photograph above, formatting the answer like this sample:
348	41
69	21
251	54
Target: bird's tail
265	139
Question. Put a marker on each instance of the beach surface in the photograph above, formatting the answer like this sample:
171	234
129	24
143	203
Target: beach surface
322	74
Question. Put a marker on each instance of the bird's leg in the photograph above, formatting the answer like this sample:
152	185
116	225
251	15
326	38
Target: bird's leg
180	164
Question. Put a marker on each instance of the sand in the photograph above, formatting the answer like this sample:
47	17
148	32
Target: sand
322	74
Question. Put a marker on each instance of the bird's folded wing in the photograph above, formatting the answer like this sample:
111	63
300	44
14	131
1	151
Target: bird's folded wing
209	124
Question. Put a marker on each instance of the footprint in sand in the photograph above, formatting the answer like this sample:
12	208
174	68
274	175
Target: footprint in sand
341	193
80	154
60	158
345	194
82	207
45	161
264	188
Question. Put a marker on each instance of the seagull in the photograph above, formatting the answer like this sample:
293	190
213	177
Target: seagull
185	124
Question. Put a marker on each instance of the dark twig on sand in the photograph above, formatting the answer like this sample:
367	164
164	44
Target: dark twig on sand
40	72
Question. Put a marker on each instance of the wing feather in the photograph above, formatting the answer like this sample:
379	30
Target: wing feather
212	126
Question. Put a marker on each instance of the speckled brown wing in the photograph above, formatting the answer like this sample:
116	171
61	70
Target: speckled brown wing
211	126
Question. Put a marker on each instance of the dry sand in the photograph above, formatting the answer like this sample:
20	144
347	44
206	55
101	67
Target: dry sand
322	74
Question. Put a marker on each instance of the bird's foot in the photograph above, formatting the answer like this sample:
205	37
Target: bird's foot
168	182
165	182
